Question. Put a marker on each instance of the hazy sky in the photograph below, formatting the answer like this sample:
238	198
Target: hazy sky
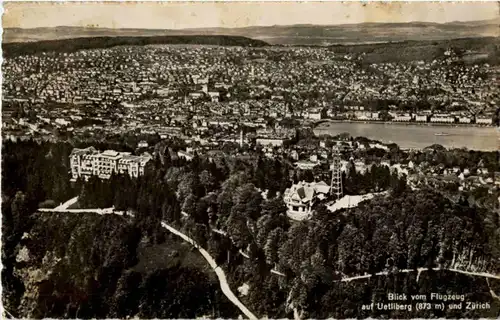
177	15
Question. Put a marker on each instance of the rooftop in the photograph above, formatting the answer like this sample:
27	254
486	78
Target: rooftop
110	153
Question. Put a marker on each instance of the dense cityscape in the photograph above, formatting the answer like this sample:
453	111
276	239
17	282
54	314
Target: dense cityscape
162	88
191	181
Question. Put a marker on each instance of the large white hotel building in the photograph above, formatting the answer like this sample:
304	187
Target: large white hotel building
88	162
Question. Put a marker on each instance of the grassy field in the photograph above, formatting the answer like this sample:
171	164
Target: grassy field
168	254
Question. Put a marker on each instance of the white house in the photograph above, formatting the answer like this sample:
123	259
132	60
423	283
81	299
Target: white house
61	122
464	120
442	118
300	197
314	115
214	96
185	155
276	142
306	165
402	118
482	120
420	118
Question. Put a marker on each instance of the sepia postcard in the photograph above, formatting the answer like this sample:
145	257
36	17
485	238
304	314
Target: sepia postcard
250	160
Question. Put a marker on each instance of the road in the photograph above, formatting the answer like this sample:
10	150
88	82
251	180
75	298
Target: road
419	270
63	208
68	203
220	273
98	211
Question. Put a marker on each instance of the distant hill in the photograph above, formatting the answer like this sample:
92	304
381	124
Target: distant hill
70	45
286	35
486	49
365	32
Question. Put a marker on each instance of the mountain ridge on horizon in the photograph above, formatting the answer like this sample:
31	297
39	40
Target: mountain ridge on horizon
418	22
295	34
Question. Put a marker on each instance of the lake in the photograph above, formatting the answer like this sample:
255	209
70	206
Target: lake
418	136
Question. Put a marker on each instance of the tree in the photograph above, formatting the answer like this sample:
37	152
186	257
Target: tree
398	184
126	191
350	250
274	240
224	205
189	205
186	186
290	252
237	229
207	181
19	212
249	198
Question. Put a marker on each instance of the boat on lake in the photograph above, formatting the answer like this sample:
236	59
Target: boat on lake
441	134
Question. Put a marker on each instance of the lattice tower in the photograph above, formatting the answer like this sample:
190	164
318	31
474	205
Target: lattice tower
336	184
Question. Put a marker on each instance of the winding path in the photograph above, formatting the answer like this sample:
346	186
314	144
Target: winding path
220	273
419	270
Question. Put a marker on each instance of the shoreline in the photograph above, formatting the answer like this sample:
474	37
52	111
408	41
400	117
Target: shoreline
412	136
424	124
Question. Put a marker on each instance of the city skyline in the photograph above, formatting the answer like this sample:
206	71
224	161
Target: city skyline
184	15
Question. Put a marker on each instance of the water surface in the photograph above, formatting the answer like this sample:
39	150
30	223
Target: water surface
418	136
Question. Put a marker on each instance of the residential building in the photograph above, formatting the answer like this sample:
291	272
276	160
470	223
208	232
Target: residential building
276	142
314	115
184	154
402	118
306	165
443	118
214	96
464	120
300	197
420	118
482	120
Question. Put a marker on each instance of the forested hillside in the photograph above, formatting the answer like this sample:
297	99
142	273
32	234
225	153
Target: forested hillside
85	266
207	198
71	45
422	50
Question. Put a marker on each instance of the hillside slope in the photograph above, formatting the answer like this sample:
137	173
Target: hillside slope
88	266
71	45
